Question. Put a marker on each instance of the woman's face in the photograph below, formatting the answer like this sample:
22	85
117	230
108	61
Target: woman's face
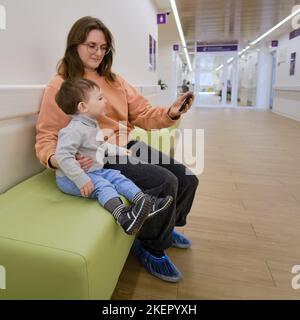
92	51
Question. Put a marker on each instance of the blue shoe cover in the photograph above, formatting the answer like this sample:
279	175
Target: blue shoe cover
162	268
180	241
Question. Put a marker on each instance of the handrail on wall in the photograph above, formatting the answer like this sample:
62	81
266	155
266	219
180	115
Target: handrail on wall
21	86
287	88
16	111
43	86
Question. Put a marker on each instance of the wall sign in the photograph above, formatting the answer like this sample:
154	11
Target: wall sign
220	48
152	53
294	33
293	64
161	18
175	47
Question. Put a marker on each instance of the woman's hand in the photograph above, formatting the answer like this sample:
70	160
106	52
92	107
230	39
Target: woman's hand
87	189
53	162
174	109
85	162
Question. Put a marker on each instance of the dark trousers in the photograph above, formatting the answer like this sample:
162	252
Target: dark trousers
165	177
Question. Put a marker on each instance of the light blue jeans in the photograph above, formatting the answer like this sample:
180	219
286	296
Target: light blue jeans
108	184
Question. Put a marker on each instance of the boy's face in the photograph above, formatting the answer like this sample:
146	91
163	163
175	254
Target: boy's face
96	104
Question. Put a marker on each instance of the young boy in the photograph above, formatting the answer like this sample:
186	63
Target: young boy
82	99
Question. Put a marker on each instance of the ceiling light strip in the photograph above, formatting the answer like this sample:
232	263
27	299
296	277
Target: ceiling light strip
256	41
178	23
275	27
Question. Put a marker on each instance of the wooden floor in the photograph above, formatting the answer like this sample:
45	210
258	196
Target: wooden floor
245	221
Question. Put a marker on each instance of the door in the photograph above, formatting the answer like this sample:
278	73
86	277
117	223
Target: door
215	79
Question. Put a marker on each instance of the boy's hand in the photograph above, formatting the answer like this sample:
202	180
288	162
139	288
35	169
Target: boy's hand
87	189
127	152
123	151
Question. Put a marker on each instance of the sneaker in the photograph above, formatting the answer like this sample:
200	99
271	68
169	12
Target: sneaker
132	218
180	241
159	205
162	268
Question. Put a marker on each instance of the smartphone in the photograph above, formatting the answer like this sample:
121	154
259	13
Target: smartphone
185	102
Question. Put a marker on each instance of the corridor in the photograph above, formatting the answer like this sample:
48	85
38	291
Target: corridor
246	216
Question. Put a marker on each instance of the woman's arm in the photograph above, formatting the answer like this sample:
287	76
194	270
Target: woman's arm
142	114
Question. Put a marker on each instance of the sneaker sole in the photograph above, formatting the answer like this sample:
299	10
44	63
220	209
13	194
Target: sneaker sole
141	217
166	206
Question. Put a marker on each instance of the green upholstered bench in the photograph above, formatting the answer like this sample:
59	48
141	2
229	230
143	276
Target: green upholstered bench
55	246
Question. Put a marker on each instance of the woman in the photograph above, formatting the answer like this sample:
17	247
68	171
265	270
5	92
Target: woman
89	54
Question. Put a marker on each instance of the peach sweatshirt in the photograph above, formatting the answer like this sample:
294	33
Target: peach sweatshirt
124	103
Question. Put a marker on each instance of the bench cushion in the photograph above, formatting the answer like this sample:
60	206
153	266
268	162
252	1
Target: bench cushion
55	246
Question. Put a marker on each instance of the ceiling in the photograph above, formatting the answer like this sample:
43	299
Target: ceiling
227	21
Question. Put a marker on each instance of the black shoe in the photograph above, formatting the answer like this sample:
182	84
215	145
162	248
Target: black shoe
132	218
159	205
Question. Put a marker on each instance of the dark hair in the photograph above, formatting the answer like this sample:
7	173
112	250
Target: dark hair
72	92
71	66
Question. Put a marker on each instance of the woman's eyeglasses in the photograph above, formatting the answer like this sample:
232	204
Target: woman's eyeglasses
93	48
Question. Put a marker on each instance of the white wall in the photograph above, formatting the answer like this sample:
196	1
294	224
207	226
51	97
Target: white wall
285	48
18	113
287	87
36	32
180	74
168	60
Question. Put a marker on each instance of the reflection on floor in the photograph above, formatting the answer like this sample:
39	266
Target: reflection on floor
208	98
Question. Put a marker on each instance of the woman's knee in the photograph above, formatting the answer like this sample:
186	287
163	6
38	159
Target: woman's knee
171	182
188	183
193	181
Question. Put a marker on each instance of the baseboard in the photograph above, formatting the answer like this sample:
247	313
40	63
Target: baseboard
286	115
